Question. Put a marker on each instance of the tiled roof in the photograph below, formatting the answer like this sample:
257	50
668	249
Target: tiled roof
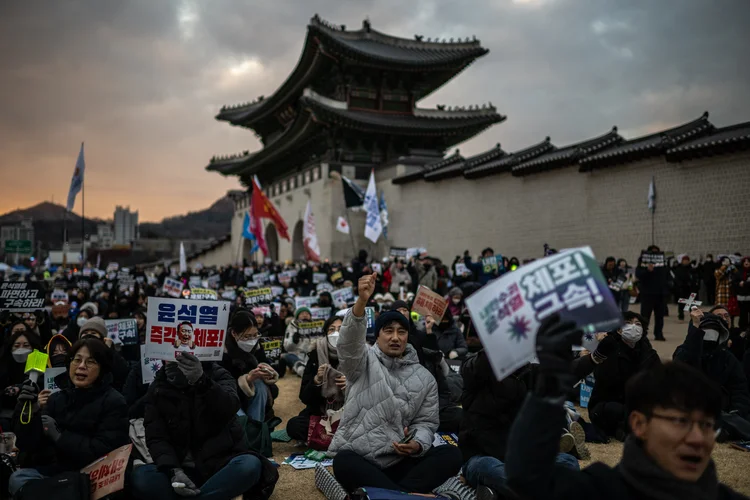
722	140
567	155
648	145
457	169
507	162
451	161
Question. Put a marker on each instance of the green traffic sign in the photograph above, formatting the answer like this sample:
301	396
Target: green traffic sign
18	246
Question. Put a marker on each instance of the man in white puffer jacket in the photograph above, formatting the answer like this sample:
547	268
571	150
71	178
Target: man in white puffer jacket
385	435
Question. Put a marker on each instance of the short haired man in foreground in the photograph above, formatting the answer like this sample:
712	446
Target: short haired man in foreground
672	409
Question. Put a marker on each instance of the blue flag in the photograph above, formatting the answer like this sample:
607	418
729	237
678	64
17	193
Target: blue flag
384	215
247	234
76	183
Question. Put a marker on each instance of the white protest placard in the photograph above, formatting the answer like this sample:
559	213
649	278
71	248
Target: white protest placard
324	287
49	378
195	326
213	281
260	277
416	252
319	277
305	302
107	474
342	296
320	312
462	270
377	267
172	287
277	291
229	294
507	312
112	267
285	278
149	366
58	295
276	307
122	331
429	303
194	281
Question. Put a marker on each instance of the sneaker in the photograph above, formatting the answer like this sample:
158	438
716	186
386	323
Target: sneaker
299	368
486	493
567	442
455	489
579	437
327	484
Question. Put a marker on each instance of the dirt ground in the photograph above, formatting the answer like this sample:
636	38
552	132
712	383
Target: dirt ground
732	465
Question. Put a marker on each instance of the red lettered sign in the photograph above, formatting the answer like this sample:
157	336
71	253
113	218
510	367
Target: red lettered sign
107	474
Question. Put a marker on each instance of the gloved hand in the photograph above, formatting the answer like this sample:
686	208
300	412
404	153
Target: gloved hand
51	430
554	346
190	367
29	392
606	348
182	485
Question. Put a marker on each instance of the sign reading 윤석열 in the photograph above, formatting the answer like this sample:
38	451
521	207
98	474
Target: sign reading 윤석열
195	326
508	311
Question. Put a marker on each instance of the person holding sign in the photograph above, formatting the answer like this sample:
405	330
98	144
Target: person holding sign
400	277
487	269
652	283
445	336
297	346
384	381
617	358
246	360
323	384
195	439
12	365
673	413
82	422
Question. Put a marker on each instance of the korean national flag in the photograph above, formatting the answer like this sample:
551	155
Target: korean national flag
76	183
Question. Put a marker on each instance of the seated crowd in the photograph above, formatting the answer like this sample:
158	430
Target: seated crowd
202	429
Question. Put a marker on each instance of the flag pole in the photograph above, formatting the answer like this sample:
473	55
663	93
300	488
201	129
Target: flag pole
65	239
83	220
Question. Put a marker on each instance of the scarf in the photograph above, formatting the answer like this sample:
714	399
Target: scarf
326	354
652	482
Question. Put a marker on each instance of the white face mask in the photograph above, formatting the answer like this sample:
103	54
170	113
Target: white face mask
333	339
711	335
247	345
81	321
631	333
20	354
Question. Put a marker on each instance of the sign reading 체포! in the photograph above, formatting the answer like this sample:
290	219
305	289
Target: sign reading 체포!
21	296
508	311
122	331
173	287
429	303
310	328
258	296
195	326
107	474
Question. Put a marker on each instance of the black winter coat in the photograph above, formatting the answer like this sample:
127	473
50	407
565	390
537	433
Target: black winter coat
202	420
489	407
721	366
309	391
450	384
135	392
652	282
92	423
239	363
614	372
445	341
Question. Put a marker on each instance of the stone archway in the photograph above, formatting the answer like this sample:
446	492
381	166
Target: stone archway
298	243
272	241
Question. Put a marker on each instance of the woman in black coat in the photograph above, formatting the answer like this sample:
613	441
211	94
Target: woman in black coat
619	355
12	365
81	423
246	360
322	384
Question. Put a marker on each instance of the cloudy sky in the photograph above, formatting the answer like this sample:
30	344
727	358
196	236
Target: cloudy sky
140	80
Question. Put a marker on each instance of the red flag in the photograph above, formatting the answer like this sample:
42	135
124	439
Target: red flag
256	228
264	209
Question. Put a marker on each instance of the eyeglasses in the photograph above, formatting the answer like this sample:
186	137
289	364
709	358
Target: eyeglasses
249	336
685	424
89	362
333	329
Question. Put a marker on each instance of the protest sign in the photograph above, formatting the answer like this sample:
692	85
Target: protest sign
444	438
277	291
58	295
305	302
21	296
337	276
258	296
260	277
248	271
122	331
272	348
123	274
416	252
429	303
49	378
489	264
194	281
324	287
310	328
370	318
285	278
276	307
253	284
203	294
377	267
262	310
149	366
655	258
213	281
230	294
462	270
587	387
195	326
172	287
112	267
508	311
107	474
398	252
342	296
320	312
319	277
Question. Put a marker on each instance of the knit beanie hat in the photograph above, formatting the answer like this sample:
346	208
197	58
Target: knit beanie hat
300	310
389	317
95	324
400	304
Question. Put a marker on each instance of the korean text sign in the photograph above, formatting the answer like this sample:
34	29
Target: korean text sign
122	331
310	328
21	297
342	296
429	303
195	326
258	296
172	287
508	311
107	474
272	348
655	258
